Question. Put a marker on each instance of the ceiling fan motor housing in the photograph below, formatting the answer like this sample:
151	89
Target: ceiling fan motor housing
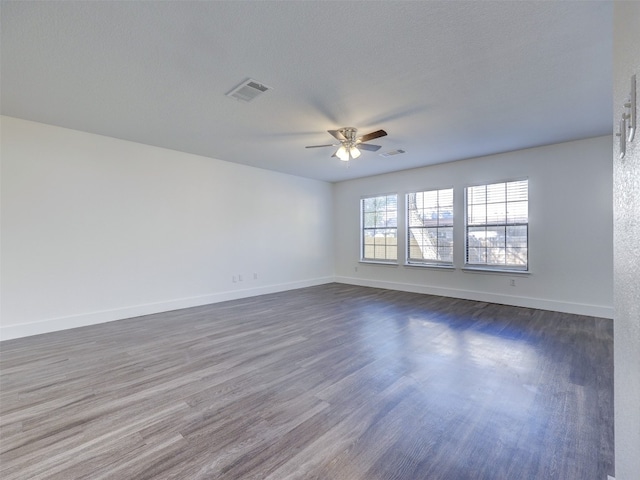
350	134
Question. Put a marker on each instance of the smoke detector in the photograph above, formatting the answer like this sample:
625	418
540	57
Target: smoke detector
248	90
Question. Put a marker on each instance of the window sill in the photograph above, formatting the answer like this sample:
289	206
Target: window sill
501	271
430	265
380	262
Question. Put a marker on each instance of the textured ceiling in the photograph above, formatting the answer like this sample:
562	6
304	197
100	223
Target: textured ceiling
446	80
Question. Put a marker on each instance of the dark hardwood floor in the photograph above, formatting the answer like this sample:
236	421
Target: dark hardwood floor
328	382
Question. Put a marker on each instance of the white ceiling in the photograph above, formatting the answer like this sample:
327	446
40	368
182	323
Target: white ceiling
446	80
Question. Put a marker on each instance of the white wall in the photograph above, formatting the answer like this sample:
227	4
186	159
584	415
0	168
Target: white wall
626	180
570	229
97	229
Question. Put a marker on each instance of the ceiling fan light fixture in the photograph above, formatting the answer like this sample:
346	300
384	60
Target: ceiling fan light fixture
343	153
354	152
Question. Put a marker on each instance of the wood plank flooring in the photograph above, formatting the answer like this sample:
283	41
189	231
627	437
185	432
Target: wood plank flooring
328	382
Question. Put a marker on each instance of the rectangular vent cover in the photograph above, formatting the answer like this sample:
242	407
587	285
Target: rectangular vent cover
392	153
248	90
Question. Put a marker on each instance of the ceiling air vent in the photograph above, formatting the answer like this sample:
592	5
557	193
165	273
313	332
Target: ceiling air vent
248	90
392	153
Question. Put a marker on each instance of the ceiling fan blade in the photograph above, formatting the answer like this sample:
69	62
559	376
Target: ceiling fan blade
337	135
334	154
318	146
372	135
368	146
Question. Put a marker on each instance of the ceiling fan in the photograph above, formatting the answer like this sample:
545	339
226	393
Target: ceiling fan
350	144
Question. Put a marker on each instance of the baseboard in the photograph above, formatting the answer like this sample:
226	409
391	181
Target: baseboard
9	332
542	304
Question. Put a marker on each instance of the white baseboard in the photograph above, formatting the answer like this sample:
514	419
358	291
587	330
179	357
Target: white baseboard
542	304
8	332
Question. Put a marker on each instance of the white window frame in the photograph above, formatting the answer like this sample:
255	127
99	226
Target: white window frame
440	211
495	225
364	229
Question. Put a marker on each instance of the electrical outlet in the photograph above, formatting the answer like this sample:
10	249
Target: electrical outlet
234	279
255	276
355	269
512	282
239	278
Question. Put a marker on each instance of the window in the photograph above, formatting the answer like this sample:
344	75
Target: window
379	220
430	227
497	225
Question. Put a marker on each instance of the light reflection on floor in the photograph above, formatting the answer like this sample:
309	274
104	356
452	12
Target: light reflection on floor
491	368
